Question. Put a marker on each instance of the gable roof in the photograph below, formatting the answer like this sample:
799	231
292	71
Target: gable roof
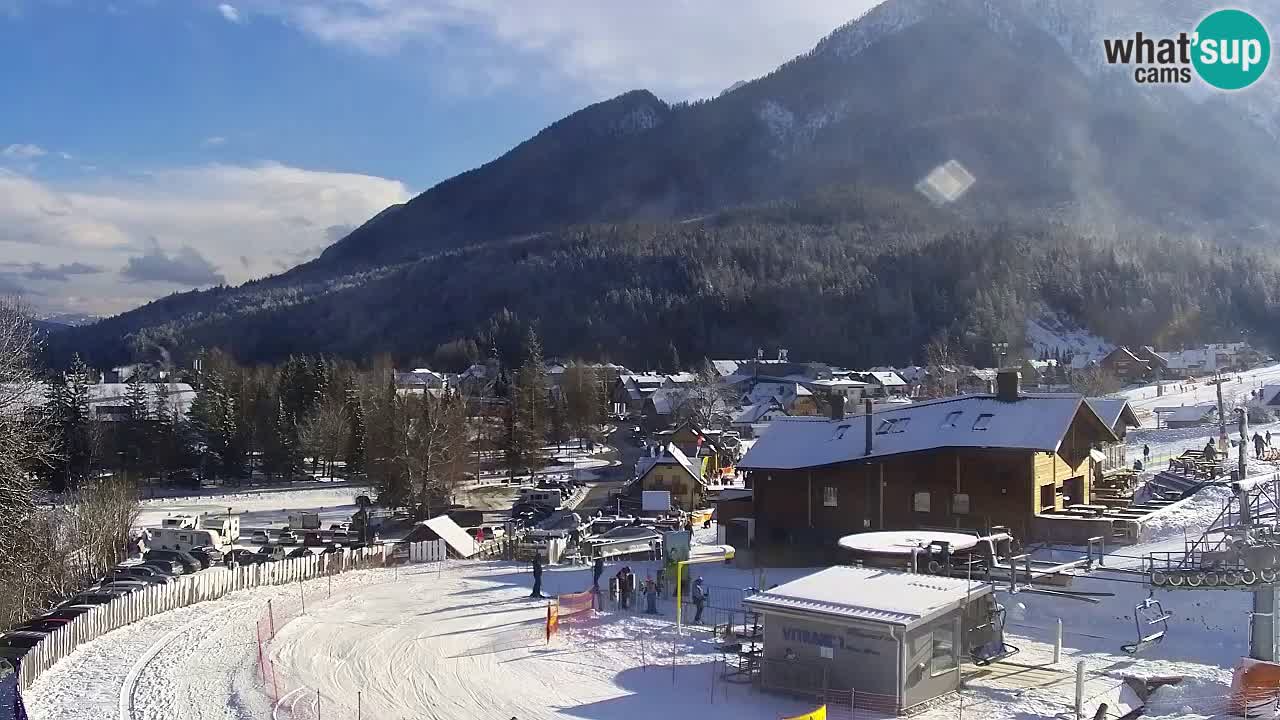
1187	413
672	455
1114	410
1271	395
725	368
752	413
667	400
1035	421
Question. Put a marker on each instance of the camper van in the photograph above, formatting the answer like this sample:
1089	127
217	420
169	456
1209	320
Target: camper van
182	538
545	497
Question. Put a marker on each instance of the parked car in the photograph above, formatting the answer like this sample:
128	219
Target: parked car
172	568
70	612
144	573
299	552
340	536
270	553
260	537
115	576
241	556
207	555
334	548
14	655
344	526
313	539
45	625
22	638
189	563
287	537
91	597
128	587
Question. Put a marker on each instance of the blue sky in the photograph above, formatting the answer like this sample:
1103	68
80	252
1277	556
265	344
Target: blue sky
148	146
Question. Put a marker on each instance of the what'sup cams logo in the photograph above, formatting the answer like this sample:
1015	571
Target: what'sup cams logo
1229	50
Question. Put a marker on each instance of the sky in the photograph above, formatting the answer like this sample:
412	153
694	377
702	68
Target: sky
153	146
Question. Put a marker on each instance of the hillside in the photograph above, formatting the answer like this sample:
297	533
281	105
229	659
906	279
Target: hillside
588	217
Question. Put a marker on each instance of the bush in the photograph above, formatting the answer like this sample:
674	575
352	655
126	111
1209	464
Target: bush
1261	415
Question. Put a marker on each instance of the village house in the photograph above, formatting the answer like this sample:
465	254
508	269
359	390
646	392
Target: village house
1186	416
976	380
975	462
754	419
882	383
1118	414
796	398
630	391
674	472
1126	366
704	448
420	381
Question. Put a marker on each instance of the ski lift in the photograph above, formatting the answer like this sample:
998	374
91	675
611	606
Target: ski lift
995	648
1152	623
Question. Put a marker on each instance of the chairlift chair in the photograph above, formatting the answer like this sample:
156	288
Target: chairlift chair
1152	623
995	648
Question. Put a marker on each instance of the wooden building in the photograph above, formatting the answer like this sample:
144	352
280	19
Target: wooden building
1118	414
674	472
974	462
1125	365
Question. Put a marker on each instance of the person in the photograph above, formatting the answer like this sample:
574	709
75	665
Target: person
699	599
1146	455
537	576
623	581
597	569
1268	438
706	524
1257	446
650	597
653	549
1210	452
661	581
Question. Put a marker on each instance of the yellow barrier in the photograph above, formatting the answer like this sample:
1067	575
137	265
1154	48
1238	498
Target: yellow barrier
820	713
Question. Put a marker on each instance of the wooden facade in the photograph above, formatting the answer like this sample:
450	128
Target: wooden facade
800	514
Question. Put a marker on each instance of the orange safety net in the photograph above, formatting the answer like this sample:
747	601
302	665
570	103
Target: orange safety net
574	603
1255	684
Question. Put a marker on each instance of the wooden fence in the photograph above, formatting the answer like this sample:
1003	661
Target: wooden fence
199	587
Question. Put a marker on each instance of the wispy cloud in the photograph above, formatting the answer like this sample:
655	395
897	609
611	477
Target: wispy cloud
677	48
66	155
213	141
24	151
140	224
229	12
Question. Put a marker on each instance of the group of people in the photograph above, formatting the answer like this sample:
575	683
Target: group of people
624	586
1260	444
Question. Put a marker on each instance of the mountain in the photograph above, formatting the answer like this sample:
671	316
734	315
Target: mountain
831	144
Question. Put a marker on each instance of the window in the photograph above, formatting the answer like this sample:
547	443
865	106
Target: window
952	418
983	421
826	652
894	425
960	504
922	502
840	431
944	650
828	496
885	425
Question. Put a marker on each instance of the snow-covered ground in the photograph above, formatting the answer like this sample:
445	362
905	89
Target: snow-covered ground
1049	333
259	507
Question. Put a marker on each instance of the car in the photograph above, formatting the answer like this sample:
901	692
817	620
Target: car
13	655
189	564
287	537
153	579
170	568
269	553
69	612
340	536
144	573
313	539
207	555
127	587
334	548
45	625
299	552
345	526
260	537
241	556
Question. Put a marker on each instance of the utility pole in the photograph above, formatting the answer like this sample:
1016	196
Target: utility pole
1223	444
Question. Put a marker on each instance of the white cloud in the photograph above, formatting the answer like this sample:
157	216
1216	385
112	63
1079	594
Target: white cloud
229	12
24	151
678	48
188	223
66	155
213	141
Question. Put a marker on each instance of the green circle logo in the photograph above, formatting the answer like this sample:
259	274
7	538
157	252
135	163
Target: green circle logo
1231	49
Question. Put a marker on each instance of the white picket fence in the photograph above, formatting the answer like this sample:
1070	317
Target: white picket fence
208	585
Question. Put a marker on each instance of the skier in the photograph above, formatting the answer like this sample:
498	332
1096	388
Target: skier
1257	446
537	576
1146	455
597	569
699	599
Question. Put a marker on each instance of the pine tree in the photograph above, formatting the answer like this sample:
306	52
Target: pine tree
527	425
355	451
75	432
136	431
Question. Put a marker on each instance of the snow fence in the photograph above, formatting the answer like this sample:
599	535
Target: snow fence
191	589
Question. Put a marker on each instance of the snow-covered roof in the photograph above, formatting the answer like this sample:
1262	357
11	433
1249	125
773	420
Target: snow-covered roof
668	400
672	455
1113	410
836	384
1271	395
753	413
1187	413
1035	421
885	378
725	368
680	378
868	594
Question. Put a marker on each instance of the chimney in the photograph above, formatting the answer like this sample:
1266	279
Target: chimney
837	406
1007	381
868	406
